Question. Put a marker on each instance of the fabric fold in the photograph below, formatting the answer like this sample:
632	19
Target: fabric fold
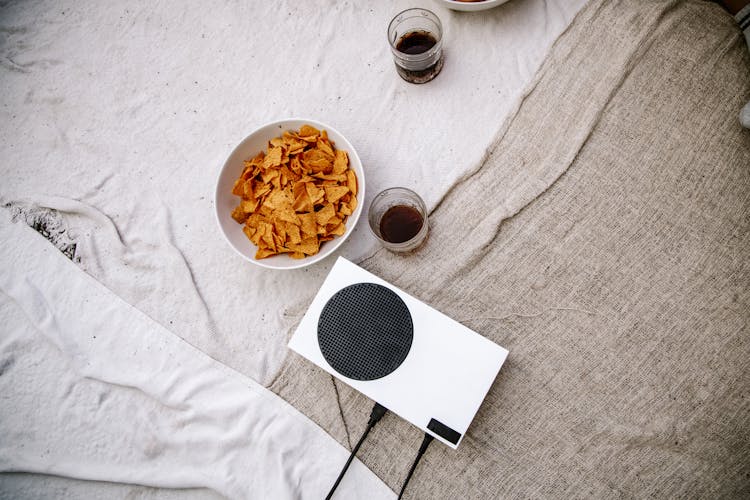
121	399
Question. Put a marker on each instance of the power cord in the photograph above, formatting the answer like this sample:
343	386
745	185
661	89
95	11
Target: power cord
422	448
377	413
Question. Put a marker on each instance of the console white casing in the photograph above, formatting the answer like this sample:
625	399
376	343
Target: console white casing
445	376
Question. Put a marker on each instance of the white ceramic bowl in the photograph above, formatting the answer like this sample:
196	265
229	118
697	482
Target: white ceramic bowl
471	6
225	201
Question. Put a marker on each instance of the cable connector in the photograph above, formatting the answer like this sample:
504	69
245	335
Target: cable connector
375	415
422	449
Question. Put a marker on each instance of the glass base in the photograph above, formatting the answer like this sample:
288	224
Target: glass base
423	75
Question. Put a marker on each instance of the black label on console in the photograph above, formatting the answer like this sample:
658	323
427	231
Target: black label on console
444	431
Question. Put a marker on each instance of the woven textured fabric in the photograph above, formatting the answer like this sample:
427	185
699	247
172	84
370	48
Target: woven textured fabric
605	241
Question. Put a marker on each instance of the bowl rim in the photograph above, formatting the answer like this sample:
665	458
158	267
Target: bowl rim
472	6
333	244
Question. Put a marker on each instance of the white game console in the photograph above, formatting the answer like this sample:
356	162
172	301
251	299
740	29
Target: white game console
433	371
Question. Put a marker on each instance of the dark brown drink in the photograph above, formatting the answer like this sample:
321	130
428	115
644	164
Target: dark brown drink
400	223
413	44
416	42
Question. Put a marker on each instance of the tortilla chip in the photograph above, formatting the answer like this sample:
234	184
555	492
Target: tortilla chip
302	203
325	147
324	214
351	181
308	246
317	161
273	158
345	209
338	230
334	193
340	162
309	131
238	214
293	233
264	252
316	194
308	225
248	206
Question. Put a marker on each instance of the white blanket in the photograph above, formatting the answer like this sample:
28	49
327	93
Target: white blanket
119	117
102	392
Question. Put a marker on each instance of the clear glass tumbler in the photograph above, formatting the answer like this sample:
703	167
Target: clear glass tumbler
416	39
398	218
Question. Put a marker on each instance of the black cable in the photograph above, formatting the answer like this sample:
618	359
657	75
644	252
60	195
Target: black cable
375	415
425	443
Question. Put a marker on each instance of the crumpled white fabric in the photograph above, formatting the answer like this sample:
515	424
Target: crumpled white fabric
96	390
118	117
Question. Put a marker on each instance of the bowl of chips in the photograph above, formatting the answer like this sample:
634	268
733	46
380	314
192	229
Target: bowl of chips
289	194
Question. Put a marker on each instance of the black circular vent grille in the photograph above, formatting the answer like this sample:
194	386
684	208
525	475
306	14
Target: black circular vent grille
365	331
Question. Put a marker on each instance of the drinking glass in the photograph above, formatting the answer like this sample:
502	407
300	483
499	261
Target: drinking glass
398	219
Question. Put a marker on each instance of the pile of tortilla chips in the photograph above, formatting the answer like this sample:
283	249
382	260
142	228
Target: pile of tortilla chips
296	195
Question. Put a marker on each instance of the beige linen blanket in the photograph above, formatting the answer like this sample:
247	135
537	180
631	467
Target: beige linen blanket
605	241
